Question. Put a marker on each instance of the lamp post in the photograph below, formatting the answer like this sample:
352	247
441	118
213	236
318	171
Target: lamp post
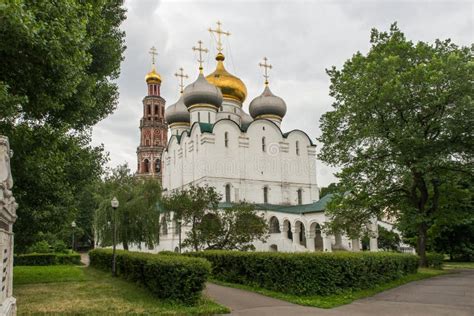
115	204
73	225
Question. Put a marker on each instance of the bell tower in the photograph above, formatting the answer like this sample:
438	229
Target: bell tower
153	129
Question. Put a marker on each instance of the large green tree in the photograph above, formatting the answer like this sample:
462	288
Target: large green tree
136	218
58	62
401	129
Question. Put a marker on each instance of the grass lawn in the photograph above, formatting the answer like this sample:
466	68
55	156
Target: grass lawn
458	265
87	291
334	300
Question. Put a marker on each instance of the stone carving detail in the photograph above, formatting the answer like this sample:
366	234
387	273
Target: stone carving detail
8	208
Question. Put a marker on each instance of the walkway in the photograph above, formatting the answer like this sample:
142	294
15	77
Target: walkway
451	294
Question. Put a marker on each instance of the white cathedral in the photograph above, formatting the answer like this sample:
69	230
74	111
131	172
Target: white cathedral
246	156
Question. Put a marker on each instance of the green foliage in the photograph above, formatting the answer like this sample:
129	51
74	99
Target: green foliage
190	206
399	130
434	260
331	188
59	60
171	277
388	240
137	217
308	273
40	247
47	259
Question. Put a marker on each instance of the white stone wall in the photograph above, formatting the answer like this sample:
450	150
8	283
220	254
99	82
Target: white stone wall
203	158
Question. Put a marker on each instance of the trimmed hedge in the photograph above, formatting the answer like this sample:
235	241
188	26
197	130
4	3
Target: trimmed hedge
308	273
46	259
170	277
435	260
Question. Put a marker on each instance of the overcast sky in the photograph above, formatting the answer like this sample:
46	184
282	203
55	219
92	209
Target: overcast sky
300	38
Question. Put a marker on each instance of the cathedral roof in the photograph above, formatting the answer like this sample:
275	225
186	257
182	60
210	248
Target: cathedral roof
153	76
315	207
177	112
267	104
231	86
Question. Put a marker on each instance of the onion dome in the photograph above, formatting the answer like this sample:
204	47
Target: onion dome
267	104
202	92
232	87
245	118
153	76
177	113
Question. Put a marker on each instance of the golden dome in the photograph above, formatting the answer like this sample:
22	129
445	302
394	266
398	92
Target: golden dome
231	86
153	76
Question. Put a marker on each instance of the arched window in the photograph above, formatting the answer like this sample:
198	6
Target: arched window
146	166
297	148
157	110
274	225
227	193
226	139
265	195
157	166
148	107
264	146
300	196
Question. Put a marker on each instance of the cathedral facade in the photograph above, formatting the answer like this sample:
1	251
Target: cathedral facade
246	156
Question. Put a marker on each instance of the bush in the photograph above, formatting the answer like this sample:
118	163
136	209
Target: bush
40	247
434	260
46	259
308	273
170	277
60	247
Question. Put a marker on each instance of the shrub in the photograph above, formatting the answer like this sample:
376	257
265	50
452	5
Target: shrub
46	259
40	247
434	260
177	278
308	273
60	247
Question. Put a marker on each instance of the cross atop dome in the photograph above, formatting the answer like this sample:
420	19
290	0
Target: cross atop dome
153	54
265	67
181	77
201	50
219	33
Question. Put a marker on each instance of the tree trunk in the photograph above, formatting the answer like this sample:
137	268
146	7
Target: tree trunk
422	234
125	245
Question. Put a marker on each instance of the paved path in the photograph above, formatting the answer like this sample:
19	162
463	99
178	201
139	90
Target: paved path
451	294
85	258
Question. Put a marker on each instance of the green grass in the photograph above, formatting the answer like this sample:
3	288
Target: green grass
87	291
458	265
338	299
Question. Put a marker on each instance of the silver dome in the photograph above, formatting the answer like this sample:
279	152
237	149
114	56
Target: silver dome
177	113
202	92
245	118
267	103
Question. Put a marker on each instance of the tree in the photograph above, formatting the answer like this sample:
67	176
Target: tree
331	188
137	217
190	206
388	239
401	129
58	62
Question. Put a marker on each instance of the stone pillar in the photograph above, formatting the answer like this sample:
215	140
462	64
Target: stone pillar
296	236
310	241
327	243
374	244
8	208
355	245
284	231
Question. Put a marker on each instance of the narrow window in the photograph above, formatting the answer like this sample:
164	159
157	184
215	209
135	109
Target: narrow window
297	148
157	112
300	196
146	166
228	116
199	116
209	117
264	147
265	195
197	145
158	166
227	193
226	139
162	112
149	109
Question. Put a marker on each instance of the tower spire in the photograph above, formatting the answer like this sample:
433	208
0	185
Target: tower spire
219	32
265	67
181	77
201	50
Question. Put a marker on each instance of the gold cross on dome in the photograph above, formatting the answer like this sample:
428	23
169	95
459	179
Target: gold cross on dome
153	53
265	67
219	33
181	77
201	50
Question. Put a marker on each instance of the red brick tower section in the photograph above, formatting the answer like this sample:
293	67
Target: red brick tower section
153	129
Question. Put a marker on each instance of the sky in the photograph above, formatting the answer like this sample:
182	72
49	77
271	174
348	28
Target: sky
300	38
